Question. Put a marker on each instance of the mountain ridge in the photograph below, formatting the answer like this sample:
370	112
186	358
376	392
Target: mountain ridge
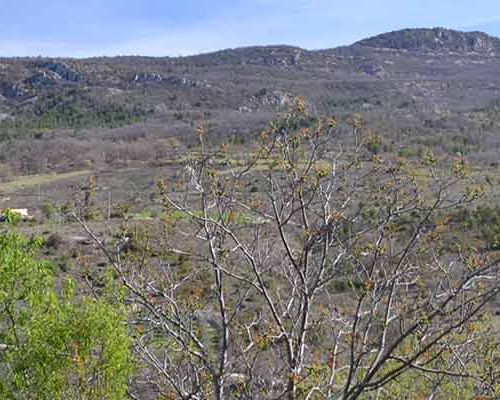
401	39
432	66
432	39
122	100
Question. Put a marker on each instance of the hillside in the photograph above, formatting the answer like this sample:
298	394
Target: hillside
422	83
434	39
191	228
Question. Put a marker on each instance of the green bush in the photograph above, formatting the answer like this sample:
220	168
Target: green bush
485	221
56	345
72	109
49	210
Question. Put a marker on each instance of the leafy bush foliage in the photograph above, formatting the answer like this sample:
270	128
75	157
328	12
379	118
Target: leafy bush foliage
485	221
56	345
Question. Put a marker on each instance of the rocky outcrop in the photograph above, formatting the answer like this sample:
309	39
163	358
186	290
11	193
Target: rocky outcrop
265	99
244	109
276	99
29	85
41	78
173	80
14	90
64	71
295	59
373	69
276	60
433	39
147	77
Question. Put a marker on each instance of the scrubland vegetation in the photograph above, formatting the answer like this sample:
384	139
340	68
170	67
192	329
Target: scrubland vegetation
179	245
313	268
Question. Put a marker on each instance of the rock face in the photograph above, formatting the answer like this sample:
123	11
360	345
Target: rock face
14	90
64	71
173	80
41	74
147	77
41	78
270	100
433	39
276	99
295	59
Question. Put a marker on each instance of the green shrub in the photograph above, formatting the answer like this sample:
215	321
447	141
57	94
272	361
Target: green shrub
49	210
56	345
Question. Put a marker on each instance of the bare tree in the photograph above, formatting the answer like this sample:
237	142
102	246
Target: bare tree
312	270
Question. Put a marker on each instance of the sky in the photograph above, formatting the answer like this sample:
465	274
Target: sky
86	28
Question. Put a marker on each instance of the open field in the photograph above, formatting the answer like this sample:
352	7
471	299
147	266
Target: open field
30	181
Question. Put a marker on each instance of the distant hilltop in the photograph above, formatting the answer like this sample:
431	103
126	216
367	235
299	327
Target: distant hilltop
433	39
438	68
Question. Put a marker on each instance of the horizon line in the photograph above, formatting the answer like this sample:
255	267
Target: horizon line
242	47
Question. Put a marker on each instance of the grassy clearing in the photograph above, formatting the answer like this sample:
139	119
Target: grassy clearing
238	218
28	181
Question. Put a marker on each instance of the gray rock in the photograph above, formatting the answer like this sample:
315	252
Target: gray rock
64	71
173	80
148	77
13	90
41	78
